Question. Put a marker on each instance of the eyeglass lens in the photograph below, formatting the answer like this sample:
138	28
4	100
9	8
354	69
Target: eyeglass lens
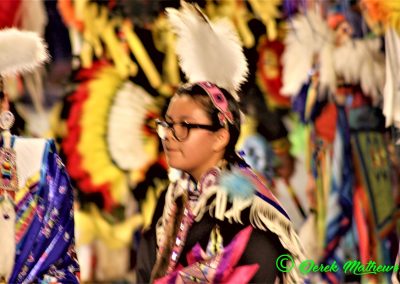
179	131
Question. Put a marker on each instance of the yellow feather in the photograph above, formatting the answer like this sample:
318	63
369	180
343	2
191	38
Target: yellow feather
91	226
269	12
243	29
85	229
143	58
117	235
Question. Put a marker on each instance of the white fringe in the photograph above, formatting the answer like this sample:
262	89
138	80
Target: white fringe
201	205
262	216
162	222
175	189
238	205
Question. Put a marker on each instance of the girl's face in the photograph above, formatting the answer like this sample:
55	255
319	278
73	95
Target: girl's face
202	149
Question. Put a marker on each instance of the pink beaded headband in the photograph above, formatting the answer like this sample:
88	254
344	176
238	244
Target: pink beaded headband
219	101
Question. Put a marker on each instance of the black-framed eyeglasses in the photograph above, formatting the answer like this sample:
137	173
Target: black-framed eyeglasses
180	130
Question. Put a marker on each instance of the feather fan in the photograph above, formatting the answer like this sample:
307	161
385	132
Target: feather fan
126	139
208	51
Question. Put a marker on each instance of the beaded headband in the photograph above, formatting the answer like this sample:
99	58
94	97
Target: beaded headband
219	101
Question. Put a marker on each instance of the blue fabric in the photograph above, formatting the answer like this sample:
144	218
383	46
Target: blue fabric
340	206
47	248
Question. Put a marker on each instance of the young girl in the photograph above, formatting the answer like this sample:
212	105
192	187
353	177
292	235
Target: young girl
217	221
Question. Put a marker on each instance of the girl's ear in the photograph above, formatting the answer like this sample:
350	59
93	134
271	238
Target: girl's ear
222	139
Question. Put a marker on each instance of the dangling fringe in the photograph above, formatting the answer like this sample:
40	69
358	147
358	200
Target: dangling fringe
235	212
169	208
263	216
201	205
166	230
221	202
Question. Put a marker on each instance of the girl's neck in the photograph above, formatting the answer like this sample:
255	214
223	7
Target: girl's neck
199	176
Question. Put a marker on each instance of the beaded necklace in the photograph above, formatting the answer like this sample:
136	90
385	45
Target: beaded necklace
192	194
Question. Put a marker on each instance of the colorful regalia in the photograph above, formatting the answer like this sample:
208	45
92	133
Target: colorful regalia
227	226
350	167
193	236
44	222
36	198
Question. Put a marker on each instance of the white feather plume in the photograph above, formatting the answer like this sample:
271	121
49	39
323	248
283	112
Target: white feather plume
307	37
372	71
327	75
361	62
208	51
348	60
20	51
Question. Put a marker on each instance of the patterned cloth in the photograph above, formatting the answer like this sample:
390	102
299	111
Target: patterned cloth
45	226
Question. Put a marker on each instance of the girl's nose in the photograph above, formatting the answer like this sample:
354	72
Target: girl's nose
169	135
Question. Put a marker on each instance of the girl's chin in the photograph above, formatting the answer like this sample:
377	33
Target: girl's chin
177	164
173	162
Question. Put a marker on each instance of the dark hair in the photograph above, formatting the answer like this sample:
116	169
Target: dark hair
200	95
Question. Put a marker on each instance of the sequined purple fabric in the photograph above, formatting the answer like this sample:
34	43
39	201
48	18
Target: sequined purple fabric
46	248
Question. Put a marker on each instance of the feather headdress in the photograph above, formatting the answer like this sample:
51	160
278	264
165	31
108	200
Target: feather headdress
356	61
127	116
20	51
309	36
208	51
